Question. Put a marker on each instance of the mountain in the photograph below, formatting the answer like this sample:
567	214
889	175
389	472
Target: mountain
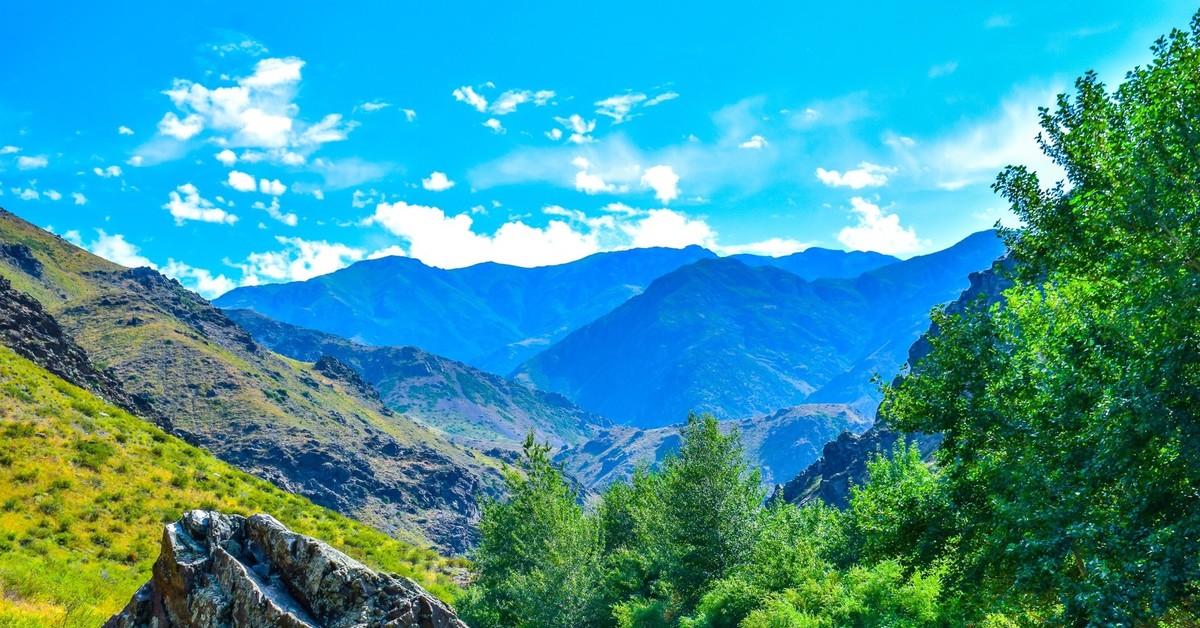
315	432
843	462
479	409
816	263
491	316
85	488
780	444
734	340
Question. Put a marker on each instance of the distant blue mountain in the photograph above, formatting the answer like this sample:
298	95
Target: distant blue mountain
493	316
736	340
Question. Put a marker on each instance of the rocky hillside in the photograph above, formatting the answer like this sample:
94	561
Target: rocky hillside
478	409
319	436
733	340
779	444
85	488
219	570
843	462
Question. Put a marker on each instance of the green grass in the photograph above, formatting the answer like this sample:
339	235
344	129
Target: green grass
85	489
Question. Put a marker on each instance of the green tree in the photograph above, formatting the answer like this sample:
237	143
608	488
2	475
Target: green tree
538	559
1072	442
900	513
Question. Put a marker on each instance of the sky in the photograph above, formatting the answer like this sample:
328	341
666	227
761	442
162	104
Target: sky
246	143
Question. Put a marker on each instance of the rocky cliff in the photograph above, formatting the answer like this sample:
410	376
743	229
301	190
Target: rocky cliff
843	463
220	570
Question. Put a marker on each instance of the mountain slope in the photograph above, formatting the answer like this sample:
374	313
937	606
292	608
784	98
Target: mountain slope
468	405
319	436
780	444
85	488
722	337
491	316
816	263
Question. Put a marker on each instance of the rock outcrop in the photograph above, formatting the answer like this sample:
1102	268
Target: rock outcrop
220	570
843	463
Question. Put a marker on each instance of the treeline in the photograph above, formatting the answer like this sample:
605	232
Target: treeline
1066	489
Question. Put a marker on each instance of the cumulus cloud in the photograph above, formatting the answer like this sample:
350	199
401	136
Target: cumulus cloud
494	125
8	150
107	173
124	130
771	247
240	181
866	175
80	199
878	231
554	134
114	248
299	260
409	114
437	182
579	128
28	162
273	187
256	112
203	281
28	194
664	227
186	204
374	105
53	195
273	210
508	102
664	182
618	107
227	157
755	142
590	182
467	94
136	161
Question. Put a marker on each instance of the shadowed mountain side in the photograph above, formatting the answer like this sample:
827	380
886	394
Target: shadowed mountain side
722	337
780	444
468	405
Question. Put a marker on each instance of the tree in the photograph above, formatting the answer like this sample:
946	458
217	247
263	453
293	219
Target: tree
538	559
1072	448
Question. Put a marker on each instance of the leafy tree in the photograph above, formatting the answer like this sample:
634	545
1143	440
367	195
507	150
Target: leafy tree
1072	449
900	513
539	554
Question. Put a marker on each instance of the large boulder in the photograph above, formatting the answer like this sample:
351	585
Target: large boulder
220	570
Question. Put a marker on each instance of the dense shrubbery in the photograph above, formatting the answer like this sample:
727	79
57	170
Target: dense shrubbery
1065	491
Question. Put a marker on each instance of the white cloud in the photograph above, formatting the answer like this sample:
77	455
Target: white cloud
136	161
866	175
661	98
246	46
109	172
878	231
374	105
771	247
53	195
124	130
273	187
80	199
391	251
495	126
186	204
227	157
467	94
257	112
27	162
201	280
664	182
943	69
755	142
240	181
508	102
668	228
554	134
28	194
578	127
591	183
299	260
184	129
273	210
8	150
115	249
618	107
409	114
437	182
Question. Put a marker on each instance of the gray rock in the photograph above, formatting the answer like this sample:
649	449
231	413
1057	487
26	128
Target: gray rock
222	571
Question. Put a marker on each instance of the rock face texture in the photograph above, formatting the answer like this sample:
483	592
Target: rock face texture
223	571
843	463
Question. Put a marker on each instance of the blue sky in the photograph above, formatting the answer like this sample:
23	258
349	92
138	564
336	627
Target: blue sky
263	142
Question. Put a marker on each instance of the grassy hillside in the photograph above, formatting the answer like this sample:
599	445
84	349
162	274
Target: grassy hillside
85	489
279	419
470	406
